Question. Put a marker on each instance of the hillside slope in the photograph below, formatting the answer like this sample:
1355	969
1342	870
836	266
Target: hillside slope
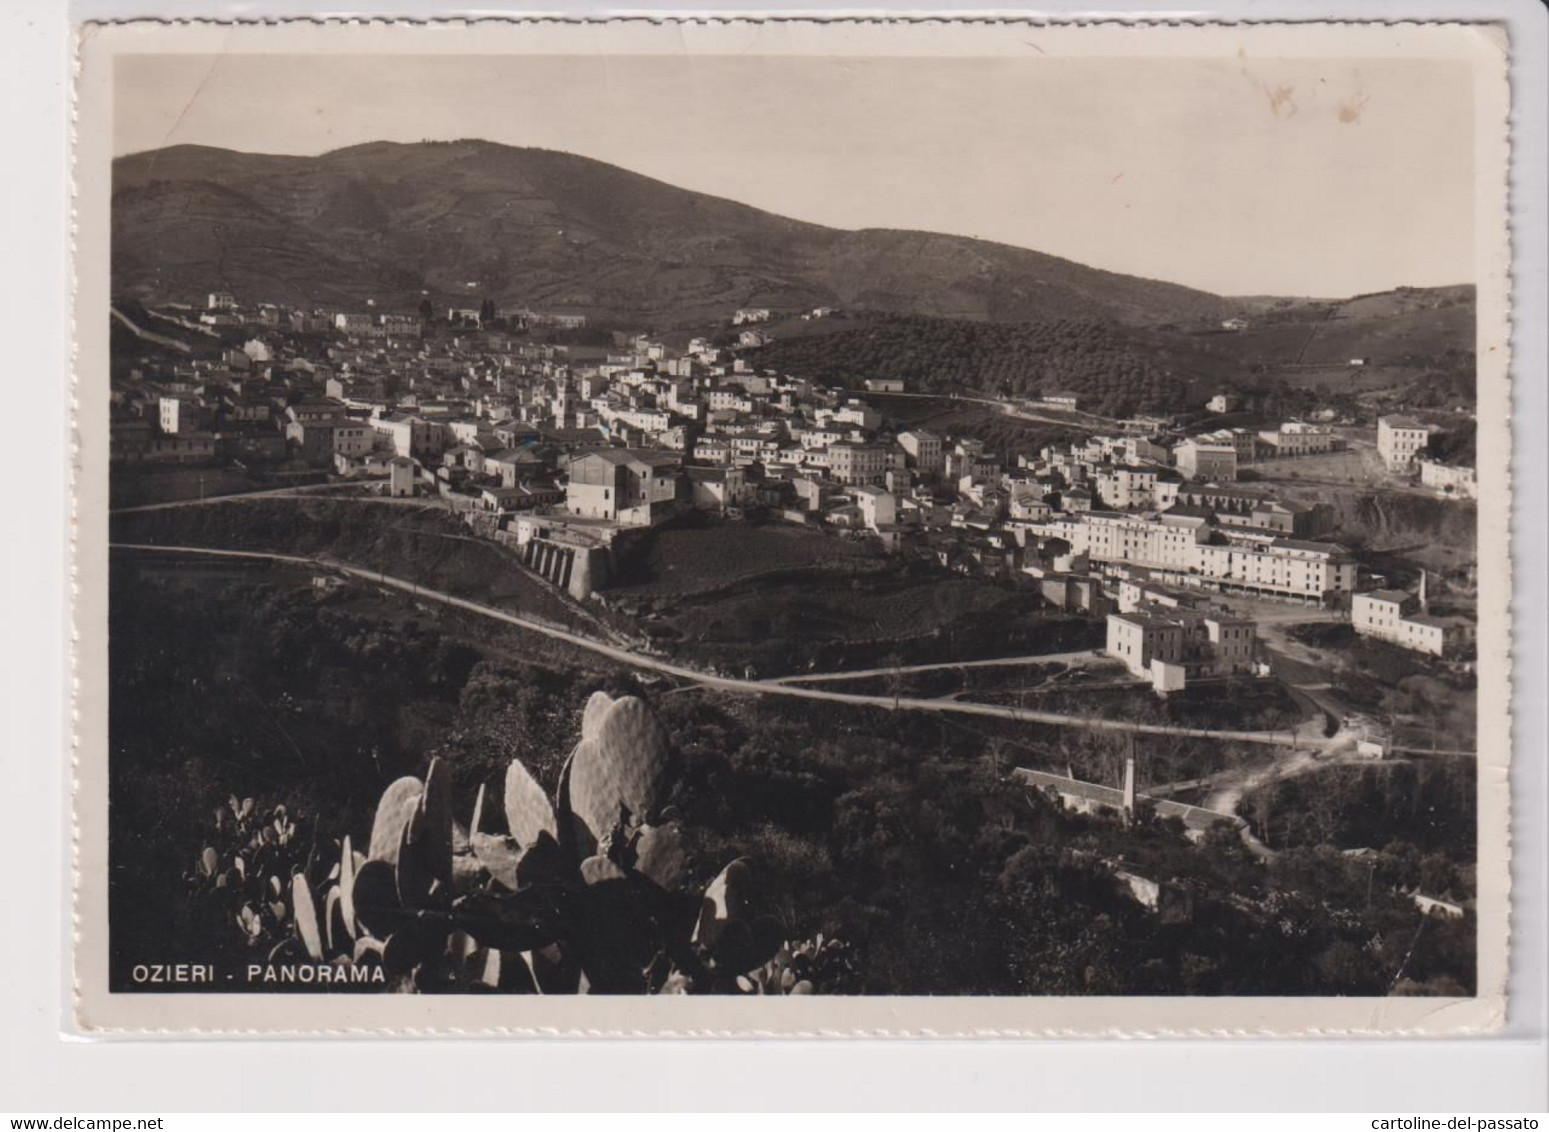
553	230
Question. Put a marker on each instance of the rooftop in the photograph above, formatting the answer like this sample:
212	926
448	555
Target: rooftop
1387	595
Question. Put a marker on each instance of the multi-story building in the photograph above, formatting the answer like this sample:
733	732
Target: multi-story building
408	434
922	450
1198	459
851	464
402	325
1243	442
179	414
1400	440
1297	438
1399	617
1280	568
354	323
1126	486
878	508
632	487
1187	549
1453	480
1166	542
1171	647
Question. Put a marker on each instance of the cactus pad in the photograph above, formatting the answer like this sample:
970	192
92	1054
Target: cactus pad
375	898
304	909
412	876
528	812
336	932
347	883
725	900
591	718
624	765
476	825
659	854
399	803
595	870
574	836
430	833
500	855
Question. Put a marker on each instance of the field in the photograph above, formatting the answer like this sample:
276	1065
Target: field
779	599
138	486
1356	465
424	545
705	554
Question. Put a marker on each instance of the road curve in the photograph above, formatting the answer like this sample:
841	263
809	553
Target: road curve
731	684
1076	658
302	491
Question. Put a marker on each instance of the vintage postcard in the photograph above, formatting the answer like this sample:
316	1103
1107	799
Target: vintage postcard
741	527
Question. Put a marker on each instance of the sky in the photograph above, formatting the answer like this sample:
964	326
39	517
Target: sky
1286	177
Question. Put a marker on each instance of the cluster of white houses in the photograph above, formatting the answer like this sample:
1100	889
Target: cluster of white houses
562	448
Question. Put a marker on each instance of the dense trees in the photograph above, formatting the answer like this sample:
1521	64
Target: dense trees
1455	445
1113	375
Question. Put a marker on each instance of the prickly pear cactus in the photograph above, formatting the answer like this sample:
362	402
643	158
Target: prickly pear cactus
400	801
659	854
597	706
305	912
726	900
375	898
528	812
584	895
430	833
476	824
499	856
623	766
347	883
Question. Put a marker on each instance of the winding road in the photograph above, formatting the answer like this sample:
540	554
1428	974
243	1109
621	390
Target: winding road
1285	739
297	492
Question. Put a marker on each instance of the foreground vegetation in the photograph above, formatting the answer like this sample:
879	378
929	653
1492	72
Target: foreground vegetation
901	836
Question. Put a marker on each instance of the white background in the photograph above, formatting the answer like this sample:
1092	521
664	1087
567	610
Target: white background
43	1071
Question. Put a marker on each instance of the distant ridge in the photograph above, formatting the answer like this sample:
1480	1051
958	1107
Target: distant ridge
553	230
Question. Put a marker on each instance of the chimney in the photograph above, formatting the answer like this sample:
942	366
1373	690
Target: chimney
1425	605
1129	786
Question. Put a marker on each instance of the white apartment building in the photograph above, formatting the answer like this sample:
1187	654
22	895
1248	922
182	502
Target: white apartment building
858	463
1170	647
1297	438
1198	459
1400	440
1281	568
922	450
1180	545
353	323
1126	486
1448	479
1395	616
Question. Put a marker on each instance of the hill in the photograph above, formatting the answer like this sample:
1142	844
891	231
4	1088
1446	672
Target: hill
556	231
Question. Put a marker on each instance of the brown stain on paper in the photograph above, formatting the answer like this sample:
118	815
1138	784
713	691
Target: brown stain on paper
1350	109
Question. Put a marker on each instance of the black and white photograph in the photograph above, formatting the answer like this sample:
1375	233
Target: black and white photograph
1013	521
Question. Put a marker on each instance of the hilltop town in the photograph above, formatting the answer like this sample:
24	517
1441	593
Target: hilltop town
1187	540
